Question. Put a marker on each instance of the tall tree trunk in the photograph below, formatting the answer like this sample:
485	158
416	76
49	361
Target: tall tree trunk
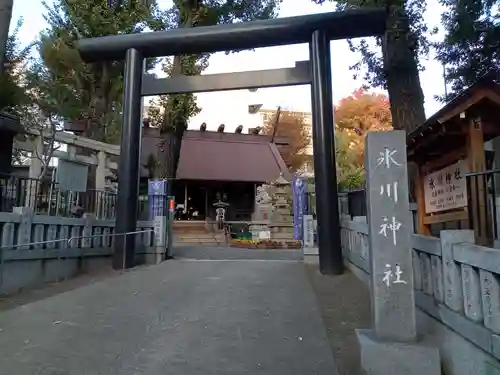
171	133
401	69
168	153
403	82
5	17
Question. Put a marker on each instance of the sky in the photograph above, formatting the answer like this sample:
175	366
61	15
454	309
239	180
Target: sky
231	107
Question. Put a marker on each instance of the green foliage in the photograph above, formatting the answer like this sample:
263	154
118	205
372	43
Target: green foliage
352	179
414	29
350	171
12	92
170	112
167	111
471	46
396	68
21	96
85	93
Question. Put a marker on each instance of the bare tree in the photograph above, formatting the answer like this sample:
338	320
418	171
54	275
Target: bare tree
41	129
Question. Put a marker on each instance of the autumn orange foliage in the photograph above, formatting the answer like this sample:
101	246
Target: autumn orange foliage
360	113
294	127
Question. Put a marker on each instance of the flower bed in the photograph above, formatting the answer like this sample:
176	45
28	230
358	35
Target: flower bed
265	244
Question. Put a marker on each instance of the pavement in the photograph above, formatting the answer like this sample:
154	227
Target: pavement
193	315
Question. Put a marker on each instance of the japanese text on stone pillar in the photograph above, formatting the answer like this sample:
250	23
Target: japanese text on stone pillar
390	224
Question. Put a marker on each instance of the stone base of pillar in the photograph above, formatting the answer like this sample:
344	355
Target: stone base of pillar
386	357
154	258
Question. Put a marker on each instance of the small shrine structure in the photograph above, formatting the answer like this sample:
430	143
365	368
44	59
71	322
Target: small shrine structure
217	163
455	151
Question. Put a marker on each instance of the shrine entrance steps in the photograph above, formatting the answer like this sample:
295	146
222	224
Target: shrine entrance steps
196	233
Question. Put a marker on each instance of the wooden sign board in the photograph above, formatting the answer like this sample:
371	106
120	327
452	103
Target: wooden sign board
446	189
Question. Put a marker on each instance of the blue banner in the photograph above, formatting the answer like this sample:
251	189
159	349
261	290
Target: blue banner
157	198
299	190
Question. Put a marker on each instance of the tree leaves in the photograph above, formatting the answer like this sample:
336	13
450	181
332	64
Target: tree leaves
355	116
89	94
293	126
471	46
396	68
177	109
170	113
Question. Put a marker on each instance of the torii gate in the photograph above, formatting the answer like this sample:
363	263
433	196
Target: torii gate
317	30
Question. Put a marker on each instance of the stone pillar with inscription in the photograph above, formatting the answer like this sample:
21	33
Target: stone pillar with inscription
391	347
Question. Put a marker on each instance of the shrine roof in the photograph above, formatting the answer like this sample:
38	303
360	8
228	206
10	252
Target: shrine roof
445	130
238	157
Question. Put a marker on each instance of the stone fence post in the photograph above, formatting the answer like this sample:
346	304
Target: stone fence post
343	204
24	231
390	228
158	212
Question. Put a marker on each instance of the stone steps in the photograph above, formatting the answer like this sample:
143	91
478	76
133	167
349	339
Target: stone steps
203	238
199	241
189	229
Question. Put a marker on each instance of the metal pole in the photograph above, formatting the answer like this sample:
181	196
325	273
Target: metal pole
330	252
128	167
171	211
124	261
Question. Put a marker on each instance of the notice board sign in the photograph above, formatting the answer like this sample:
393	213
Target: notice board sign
72	175
446	189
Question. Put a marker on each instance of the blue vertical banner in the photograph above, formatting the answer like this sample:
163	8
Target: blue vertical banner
299	190
157	198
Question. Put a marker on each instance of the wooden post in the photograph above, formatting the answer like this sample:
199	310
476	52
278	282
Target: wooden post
206	203
479	208
422	228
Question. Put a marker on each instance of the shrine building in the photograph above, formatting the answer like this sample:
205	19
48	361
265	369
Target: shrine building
457	157
218	166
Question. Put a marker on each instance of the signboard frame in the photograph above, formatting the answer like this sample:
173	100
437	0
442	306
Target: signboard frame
446	188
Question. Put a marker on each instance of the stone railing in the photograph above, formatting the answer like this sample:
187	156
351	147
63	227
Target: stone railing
35	249
456	282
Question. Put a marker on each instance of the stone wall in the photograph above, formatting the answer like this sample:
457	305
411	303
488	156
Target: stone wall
35	249
457	293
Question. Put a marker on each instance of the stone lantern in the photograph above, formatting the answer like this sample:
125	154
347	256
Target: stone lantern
282	222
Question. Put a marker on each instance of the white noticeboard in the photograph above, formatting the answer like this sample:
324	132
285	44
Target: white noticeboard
160	230
308	231
71	175
446	189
